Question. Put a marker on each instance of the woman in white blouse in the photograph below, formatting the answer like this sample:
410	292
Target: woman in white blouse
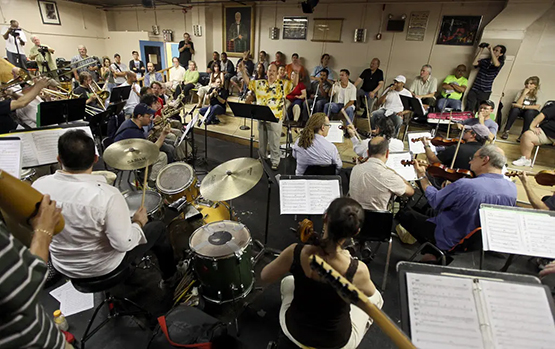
527	105
177	73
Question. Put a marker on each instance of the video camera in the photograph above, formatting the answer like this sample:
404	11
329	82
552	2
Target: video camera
483	45
14	32
43	50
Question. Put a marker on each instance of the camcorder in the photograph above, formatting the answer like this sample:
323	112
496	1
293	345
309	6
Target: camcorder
14	32
483	45
43	49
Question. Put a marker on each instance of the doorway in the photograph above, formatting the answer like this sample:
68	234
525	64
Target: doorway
153	52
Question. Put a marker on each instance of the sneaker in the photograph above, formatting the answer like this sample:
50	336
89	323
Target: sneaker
522	162
505	135
275	167
296	112
404	235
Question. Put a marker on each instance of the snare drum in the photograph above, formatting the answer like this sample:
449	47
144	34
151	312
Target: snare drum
222	260
177	180
153	203
28	175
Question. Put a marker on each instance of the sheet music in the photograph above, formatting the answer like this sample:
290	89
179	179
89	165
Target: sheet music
417	147
307	196
190	125
10	156
519	315
46	143
394	163
442	312
335	135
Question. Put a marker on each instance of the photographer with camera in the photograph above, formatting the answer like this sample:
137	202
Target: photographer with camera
15	40
42	54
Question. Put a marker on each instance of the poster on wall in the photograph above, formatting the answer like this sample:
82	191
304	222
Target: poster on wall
49	12
459	30
417	25
238	29
327	29
295	28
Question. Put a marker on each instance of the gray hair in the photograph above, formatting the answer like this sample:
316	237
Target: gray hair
33	37
428	67
81	46
496	156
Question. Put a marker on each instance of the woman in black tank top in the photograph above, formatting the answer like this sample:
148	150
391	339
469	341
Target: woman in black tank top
312	313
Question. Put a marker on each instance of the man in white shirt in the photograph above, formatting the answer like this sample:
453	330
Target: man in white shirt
119	70
424	87
391	104
98	236
344	95
384	128
134	95
372	183
15	40
177	74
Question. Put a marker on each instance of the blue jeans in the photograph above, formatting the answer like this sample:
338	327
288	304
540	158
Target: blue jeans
380	114
336	108
363	94
449	103
319	106
214	112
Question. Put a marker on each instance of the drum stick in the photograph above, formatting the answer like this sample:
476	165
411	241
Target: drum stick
144	187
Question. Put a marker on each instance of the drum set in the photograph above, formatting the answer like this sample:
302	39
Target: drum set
206	230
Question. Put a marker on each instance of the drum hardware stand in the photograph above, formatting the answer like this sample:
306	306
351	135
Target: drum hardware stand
263	249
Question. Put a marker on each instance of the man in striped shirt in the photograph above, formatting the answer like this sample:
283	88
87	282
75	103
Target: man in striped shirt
488	70
24	323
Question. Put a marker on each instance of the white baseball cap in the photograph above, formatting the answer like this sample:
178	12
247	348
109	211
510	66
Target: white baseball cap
400	78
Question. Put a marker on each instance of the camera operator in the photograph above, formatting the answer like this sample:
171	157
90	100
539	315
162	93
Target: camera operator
42	54
15	40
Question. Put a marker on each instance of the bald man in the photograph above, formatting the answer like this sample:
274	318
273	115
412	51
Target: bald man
79	61
372	81
452	89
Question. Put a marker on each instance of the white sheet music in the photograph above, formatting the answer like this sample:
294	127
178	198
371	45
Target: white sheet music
519	315
417	147
10	156
394	163
442	312
335	135
307	196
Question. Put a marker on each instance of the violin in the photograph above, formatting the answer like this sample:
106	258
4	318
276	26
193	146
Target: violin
440	141
439	170
544	177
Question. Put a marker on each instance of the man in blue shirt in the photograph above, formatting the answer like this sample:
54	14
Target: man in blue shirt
457	205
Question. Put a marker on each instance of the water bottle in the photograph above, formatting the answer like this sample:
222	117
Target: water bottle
60	321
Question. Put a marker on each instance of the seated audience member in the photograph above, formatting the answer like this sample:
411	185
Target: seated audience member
452	90
324	65
372	81
282	73
545	203
158	91
217	99
280	60
344	95
98	236
177	74
312	148
227	68
527	105
136	65
542	131
237	80
190	80
312	314
134	95
488	68
119	69
386	129
321	91
25	323
424	87
84	89
457	205
297	67
263	59
484	118
297	97
215	61
391	105
152	75
372	183
133	128
474	137
107	74
215	74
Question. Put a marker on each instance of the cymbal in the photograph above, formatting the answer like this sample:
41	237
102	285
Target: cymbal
231	179
131	154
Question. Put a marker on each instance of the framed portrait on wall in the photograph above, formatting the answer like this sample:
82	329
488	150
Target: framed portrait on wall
459	30
49	12
238	29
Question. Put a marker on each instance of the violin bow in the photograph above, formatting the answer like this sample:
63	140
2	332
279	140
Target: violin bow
350	123
449	124
368	115
457	150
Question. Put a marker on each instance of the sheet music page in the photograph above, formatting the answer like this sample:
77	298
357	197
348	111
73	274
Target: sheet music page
320	194
335	135
537	233
442	312
28	150
293	196
394	163
519	315
501	229
10	156
46	143
417	147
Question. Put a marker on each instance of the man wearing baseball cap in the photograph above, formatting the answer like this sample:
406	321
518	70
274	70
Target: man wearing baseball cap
483	118
391	105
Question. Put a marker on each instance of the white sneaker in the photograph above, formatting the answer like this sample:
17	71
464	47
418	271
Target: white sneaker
522	162
296	112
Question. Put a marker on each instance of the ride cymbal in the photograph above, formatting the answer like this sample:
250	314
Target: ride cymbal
231	179
131	154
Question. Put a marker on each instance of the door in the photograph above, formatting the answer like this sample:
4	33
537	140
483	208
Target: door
153	52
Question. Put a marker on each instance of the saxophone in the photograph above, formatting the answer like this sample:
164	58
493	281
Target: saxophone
173	107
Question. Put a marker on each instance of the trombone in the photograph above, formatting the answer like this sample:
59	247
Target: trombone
101	95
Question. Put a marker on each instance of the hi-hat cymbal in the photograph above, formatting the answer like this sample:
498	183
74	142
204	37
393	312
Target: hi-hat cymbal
131	154
231	179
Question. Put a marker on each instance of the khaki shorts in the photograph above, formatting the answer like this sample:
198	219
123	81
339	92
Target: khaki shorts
544	139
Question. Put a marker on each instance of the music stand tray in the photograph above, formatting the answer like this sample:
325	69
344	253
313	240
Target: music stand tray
59	112
120	93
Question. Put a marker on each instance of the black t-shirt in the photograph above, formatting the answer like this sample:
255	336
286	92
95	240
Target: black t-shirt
223	95
548	124
186	55
371	81
209	66
6	122
466	153
82	92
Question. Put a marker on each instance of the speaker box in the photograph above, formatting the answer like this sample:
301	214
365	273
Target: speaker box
148	3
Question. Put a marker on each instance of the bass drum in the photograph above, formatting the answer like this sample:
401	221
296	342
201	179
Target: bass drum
153	203
222	261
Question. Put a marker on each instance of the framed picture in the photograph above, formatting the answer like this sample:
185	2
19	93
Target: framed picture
49	12
459	30
295	28
327	29
238	29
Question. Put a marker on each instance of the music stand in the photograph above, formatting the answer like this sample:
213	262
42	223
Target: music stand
120	93
59	112
252	111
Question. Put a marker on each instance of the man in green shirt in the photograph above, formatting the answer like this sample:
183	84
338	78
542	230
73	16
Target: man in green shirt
452	89
42	54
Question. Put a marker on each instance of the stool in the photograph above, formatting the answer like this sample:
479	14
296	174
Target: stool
104	284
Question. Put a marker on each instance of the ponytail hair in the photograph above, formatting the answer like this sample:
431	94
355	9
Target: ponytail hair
312	127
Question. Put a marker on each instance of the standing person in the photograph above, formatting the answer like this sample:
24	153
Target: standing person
321	88
136	65
190	79
527	104
453	88
42	54
424	87
152	75
107	74
177	73
488	68
296	66
344	95
217	99
119	69
186	50
15	40
271	93
372	81
263	59
324	65
238	34
134	95
81	59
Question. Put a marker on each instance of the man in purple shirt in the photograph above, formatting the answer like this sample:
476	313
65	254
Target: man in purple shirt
457	204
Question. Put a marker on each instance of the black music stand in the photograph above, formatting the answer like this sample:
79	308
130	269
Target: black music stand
252	111
120	93
99	119
59	112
